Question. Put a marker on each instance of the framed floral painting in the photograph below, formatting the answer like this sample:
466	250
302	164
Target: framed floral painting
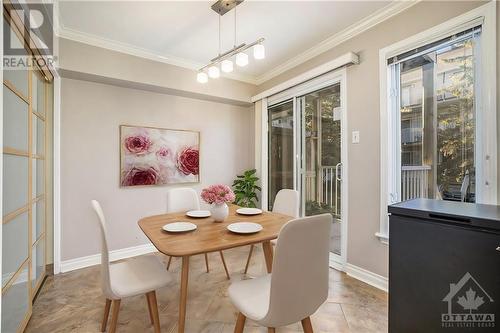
156	156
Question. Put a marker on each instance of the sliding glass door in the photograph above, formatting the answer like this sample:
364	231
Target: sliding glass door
305	142
321	162
281	149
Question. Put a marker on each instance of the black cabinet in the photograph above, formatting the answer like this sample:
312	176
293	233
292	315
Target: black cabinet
444	267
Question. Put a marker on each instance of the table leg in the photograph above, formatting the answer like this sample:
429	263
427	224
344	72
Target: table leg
184	289
268	255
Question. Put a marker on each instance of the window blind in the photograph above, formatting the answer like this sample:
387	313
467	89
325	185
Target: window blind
468	33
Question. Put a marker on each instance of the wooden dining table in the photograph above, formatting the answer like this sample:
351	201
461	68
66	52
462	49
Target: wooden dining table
209	236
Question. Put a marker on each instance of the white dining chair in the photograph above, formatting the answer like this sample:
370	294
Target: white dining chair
183	200
131	277
286	203
298	284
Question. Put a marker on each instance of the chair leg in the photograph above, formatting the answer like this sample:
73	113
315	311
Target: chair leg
268	255
183	295
114	316
149	310
224	263
107	307
249	258
271	330
240	323
169	261
306	325
206	262
153	305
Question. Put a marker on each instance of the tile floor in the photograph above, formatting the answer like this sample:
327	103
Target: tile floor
72	302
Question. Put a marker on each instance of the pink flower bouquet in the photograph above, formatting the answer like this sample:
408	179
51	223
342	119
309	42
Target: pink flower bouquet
218	194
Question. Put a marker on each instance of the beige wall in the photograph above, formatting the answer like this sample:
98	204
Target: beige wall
91	115
364	249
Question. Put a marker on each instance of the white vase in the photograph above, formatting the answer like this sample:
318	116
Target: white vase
219	212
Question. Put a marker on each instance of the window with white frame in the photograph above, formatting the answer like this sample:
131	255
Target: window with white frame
439	119
434	107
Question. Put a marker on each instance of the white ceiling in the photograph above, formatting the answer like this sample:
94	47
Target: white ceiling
185	32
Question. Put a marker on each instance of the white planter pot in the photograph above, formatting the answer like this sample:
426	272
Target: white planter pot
219	212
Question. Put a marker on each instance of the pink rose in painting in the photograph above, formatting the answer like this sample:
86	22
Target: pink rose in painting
141	176
138	144
164	153
188	161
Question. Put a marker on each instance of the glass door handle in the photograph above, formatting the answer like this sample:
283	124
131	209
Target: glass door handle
337	171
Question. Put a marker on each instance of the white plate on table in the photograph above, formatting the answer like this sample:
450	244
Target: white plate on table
249	211
179	227
198	213
244	227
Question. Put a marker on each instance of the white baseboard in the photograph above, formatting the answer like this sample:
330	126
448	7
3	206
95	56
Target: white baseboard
95	259
336	265
336	262
375	280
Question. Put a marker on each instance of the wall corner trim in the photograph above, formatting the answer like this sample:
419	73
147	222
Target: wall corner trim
95	259
373	279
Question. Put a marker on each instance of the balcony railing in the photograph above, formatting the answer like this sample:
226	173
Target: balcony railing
324	190
415	181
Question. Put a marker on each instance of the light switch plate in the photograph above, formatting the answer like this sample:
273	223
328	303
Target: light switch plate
355	136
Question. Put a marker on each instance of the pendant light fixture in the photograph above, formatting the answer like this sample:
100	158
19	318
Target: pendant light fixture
224	61
226	66
213	72
242	59
259	52
202	77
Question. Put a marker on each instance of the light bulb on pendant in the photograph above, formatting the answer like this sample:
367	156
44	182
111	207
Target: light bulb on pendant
213	72
202	77
259	52
241	59
227	66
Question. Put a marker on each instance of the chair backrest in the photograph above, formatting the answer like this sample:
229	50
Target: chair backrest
287	203
182	200
105	278
299	282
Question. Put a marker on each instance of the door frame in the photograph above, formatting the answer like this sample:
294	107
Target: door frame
338	76
336	261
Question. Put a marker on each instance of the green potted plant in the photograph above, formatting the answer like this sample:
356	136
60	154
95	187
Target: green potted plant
245	188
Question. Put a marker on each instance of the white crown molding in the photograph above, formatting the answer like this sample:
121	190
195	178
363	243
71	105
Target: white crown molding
340	37
113	45
375	280
90	39
95	259
353	30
